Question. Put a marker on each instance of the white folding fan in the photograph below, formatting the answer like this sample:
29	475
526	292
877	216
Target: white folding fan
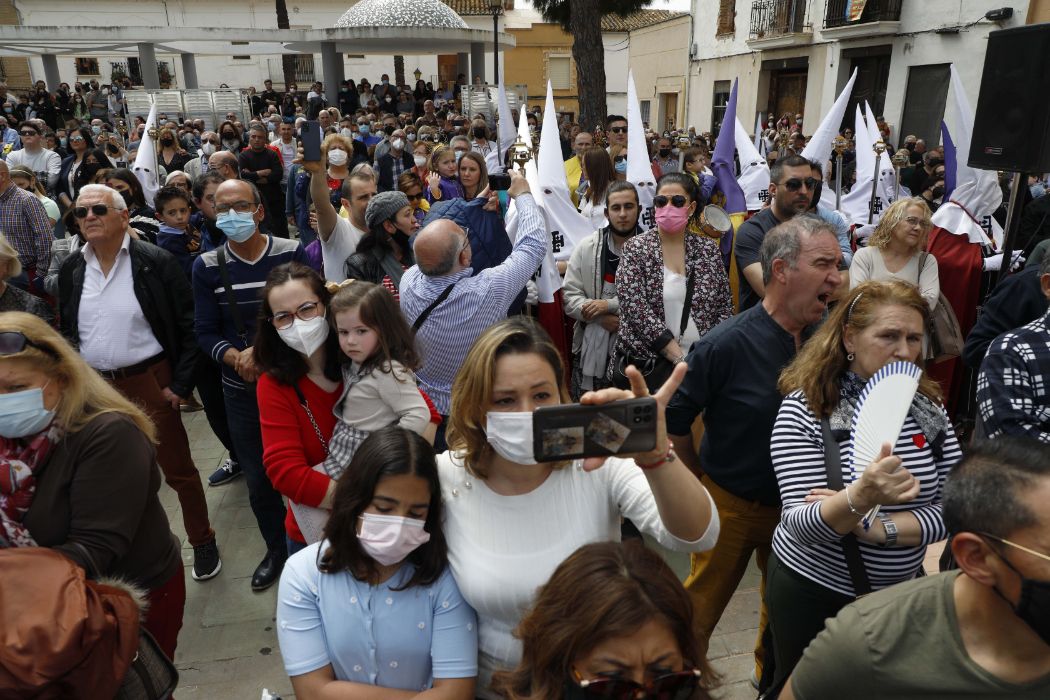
881	410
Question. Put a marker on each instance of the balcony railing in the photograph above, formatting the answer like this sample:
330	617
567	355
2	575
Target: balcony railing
773	18
838	12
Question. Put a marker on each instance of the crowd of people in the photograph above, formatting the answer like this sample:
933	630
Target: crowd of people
364	335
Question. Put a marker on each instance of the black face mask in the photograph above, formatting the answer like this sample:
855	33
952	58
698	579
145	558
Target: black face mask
167	141
934	162
1033	607
910	146
388	130
937	192
478	132
664	152
127	198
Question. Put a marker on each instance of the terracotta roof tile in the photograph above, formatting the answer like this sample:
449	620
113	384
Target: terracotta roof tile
638	20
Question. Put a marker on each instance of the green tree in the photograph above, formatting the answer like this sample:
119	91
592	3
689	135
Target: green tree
399	70
583	20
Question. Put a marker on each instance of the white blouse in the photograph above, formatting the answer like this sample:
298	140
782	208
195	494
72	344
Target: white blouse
502	548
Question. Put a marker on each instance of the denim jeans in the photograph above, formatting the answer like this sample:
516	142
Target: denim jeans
242	412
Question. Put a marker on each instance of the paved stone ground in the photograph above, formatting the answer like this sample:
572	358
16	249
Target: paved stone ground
228	645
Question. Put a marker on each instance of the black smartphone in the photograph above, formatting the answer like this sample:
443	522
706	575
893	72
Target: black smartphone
572	431
310	135
499	181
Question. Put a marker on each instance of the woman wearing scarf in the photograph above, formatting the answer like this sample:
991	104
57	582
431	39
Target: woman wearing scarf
78	471
808	579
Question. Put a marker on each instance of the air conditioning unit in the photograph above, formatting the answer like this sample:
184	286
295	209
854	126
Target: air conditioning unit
694	51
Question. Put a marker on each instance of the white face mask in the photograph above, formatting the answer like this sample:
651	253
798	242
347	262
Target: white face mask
390	538
348	133
510	434
305	336
397	144
420	161
337	157
411	137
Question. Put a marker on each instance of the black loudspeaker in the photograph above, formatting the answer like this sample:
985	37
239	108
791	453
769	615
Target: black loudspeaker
1011	129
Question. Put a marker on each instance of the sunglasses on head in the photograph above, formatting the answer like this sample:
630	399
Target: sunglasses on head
671	686
795	184
96	209
677	201
14	342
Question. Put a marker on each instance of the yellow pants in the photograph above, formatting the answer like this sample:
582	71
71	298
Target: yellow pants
746	528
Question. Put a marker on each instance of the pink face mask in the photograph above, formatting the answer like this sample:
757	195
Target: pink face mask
672	219
390	538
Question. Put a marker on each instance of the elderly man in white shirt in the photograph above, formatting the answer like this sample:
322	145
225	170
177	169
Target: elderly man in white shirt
127	306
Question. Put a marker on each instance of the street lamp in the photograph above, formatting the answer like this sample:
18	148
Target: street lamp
496	8
418	73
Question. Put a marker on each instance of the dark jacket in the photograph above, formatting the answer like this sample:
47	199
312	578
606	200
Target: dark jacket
164	295
1017	301
367	264
387	181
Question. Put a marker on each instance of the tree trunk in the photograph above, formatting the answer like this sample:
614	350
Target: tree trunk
287	59
399	70
585	18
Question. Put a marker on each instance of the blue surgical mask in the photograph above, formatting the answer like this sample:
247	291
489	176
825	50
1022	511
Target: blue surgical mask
621	167
238	226
22	413
63	142
96	129
363	129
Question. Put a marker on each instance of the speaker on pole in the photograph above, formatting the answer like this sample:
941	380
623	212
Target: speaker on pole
1011	129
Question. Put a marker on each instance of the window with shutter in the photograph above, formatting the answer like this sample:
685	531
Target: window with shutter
726	16
558	68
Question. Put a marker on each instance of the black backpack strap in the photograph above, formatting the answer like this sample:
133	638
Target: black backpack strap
833	466
231	300
421	319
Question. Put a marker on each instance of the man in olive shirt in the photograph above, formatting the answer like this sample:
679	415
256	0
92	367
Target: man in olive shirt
732	381
982	632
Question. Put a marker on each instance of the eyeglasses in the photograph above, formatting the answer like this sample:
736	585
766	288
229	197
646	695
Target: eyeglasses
917	222
618	130
213	142
76	139
997	539
414	197
671	686
96	209
795	184
677	201
308	311
239	207
14	342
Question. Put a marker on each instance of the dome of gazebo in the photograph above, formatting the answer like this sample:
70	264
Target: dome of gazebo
401	13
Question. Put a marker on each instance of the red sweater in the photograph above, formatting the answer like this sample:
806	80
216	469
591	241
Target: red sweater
290	445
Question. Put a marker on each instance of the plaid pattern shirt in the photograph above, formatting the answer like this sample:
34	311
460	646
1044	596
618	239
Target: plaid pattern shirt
1013	388
24	222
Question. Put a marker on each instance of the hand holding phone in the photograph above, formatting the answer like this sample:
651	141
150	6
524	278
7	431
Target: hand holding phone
310	135
572	431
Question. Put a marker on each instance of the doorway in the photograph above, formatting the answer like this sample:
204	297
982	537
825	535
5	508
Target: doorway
670	109
448	68
787	92
873	73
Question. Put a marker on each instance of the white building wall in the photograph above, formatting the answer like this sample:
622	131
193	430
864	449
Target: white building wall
617	63
731	57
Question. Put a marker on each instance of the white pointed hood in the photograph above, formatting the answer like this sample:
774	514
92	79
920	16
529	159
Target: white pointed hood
819	146
754	170
145	166
977	193
639	167
855	202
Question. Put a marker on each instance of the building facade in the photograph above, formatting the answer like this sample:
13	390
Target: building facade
794	56
659	60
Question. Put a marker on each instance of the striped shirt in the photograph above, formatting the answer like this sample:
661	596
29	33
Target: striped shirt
474	304
215	327
806	543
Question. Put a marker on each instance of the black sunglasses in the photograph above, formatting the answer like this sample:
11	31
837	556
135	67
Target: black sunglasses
677	201
411	197
96	209
671	686
619	159
795	184
14	342
28	133
618	130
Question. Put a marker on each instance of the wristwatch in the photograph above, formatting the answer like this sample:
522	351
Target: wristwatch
891	529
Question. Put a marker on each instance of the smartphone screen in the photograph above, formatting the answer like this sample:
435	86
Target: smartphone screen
310	135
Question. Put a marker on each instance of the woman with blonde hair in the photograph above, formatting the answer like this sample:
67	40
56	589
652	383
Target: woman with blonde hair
825	525
12	298
171	155
510	520
81	471
897	250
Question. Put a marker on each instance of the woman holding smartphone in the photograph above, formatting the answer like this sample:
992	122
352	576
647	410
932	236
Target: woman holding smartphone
510	521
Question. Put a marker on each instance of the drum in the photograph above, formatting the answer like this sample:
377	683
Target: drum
714	221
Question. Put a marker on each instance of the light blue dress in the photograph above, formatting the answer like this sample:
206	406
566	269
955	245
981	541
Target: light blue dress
373	634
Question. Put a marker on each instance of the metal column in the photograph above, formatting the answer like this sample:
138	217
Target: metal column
189	71
148	66
332	66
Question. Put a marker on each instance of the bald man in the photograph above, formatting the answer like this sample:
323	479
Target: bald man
449	306
225	163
